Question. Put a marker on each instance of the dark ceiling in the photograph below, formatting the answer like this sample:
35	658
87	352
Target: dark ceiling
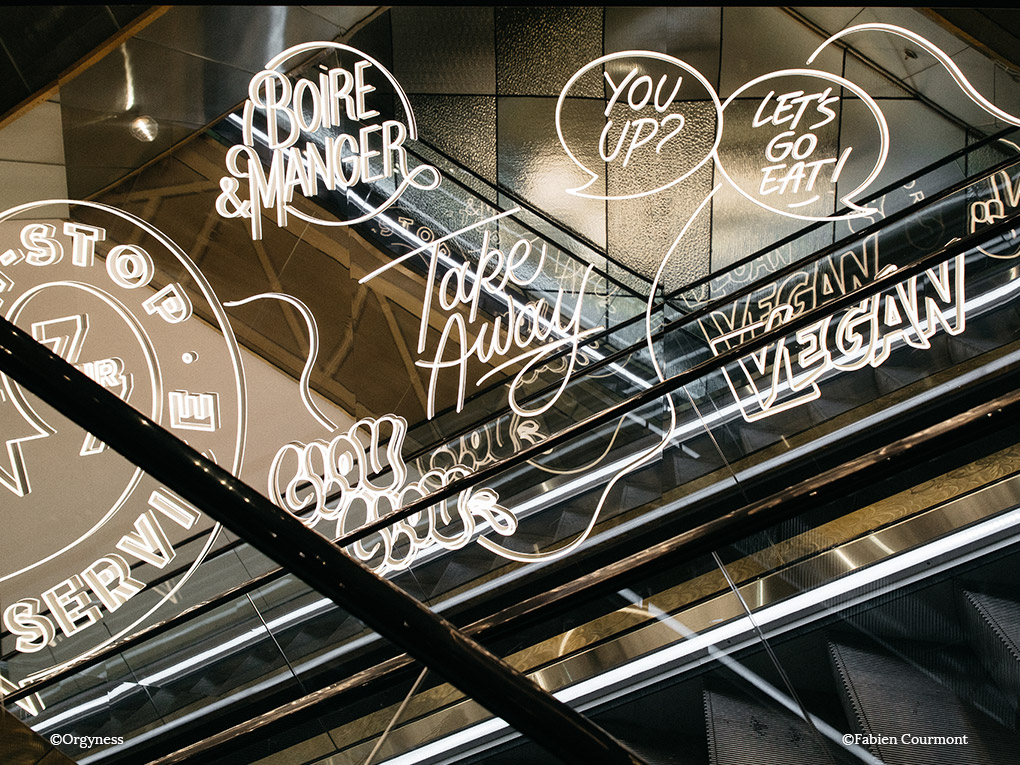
994	30
43	44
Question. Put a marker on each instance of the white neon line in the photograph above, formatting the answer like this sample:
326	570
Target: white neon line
435	243
183	666
304	383
423	246
569	488
847	199
658	278
969	305
941	56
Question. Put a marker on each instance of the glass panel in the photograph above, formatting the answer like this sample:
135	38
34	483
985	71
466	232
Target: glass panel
908	596
622	643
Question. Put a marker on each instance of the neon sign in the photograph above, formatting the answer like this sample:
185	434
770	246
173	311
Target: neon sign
785	374
800	166
1003	200
327	133
103	528
518	327
645	122
335	482
339	97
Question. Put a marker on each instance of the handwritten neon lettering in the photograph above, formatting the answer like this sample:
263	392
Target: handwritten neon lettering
283	113
785	374
518	327
78	601
353	479
799	292
790	108
644	118
1004	200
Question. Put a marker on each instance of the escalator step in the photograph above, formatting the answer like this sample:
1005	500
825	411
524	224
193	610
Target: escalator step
747	733
888	699
995	635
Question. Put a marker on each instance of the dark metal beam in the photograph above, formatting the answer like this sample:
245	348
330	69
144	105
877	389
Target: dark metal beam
318	562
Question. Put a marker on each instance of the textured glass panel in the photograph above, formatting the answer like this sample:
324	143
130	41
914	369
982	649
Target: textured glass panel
906	153
533	165
689	34
642	230
463	127
740	227
539	49
444	50
757	41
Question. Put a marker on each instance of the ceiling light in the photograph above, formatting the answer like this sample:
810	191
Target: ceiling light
144	129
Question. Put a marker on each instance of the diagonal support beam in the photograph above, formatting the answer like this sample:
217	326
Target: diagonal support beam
317	561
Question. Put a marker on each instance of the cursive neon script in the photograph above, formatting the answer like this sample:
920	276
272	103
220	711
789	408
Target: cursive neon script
518	327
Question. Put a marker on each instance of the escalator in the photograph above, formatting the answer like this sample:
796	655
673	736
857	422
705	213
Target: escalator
278	653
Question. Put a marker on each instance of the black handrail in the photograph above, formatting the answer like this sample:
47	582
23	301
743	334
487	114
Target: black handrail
700	539
720	528
273	575
711	305
318	562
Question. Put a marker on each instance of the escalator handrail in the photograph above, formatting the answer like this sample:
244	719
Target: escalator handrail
270	576
701	311
469	481
322	565
690	375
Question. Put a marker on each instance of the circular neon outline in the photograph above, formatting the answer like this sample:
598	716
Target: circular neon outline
233	352
19	401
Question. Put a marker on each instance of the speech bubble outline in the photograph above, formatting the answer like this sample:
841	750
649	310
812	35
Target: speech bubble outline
579	190
847	199
940	55
229	186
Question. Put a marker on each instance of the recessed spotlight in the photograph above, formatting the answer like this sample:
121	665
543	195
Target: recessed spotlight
144	129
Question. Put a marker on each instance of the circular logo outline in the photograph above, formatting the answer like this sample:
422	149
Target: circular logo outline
236	363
